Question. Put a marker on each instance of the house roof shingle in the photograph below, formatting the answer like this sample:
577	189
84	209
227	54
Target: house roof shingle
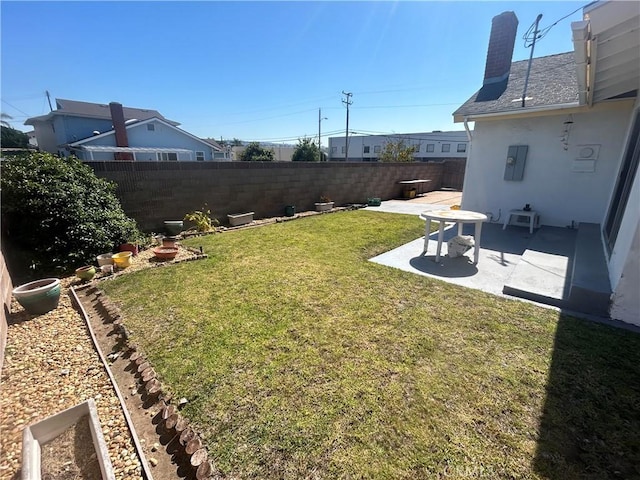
552	81
98	110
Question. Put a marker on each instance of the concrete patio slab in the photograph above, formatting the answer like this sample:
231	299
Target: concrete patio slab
499	254
512	263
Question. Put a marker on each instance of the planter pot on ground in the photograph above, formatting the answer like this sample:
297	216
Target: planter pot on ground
105	259
165	253
173	227
129	247
52	429
324	206
40	296
169	241
86	273
122	259
238	219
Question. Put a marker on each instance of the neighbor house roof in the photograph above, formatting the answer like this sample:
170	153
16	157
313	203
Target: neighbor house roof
96	110
131	125
552	81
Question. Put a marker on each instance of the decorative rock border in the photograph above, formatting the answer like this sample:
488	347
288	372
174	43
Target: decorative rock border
189	445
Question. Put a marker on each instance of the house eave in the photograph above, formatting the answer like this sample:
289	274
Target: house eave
560	108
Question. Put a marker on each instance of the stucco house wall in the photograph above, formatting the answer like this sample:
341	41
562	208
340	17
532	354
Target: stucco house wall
45	136
550	183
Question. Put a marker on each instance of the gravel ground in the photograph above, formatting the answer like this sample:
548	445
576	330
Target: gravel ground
50	365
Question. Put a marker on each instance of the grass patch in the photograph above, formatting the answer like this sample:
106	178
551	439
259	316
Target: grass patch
301	359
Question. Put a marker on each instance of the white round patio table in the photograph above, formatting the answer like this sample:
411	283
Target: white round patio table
456	216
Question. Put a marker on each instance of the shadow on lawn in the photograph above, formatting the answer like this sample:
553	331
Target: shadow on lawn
590	425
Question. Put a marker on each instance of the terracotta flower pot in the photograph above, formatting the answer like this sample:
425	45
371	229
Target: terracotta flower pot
40	296
129	247
165	253
169	241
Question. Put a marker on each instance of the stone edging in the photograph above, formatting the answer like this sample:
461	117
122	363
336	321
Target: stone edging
172	422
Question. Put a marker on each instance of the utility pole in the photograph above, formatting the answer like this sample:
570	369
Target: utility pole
347	102
49	100
320	118
533	45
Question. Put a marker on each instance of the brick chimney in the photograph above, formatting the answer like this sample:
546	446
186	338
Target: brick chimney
117	117
501	42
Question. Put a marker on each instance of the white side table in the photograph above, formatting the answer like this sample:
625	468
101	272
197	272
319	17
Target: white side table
532	215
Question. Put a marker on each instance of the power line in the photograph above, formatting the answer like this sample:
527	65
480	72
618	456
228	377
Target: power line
16	108
532	34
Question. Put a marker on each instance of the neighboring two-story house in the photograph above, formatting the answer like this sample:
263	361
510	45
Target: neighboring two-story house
93	131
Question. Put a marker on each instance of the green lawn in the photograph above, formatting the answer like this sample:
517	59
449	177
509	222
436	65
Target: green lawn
301	359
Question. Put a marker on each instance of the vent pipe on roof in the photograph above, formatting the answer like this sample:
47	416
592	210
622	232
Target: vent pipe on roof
498	65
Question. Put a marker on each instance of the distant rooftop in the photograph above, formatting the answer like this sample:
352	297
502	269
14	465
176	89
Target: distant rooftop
97	110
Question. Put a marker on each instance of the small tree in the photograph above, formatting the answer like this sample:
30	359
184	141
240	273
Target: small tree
58	214
306	151
12	138
397	152
255	153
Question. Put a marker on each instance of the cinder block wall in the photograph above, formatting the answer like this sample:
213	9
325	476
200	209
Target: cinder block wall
152	192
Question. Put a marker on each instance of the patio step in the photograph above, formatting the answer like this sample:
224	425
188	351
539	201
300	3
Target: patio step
543	273
590	290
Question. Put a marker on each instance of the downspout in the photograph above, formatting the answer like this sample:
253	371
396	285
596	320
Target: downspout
466	127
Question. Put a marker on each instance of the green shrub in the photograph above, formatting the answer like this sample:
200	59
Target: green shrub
59	213
202	219
255	153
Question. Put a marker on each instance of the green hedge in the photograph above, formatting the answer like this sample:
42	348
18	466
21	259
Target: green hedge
59	214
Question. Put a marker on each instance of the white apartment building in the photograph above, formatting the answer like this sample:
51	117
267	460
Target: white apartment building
428	146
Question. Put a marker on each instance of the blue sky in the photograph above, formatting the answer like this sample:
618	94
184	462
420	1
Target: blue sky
260	70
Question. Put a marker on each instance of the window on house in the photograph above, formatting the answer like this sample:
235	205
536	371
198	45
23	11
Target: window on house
376	149
462	147
344	149
151	127
367	149
200	156
416	148
334	149
431	147
167	157
446	147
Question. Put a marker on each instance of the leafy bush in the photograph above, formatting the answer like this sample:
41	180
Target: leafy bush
12	138
60	213
397	152
255	153
202	219
306	151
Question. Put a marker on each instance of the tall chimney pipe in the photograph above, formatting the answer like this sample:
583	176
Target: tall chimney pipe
117	117
504	28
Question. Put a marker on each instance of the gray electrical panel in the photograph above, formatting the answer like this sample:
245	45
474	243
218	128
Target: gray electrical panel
516	158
